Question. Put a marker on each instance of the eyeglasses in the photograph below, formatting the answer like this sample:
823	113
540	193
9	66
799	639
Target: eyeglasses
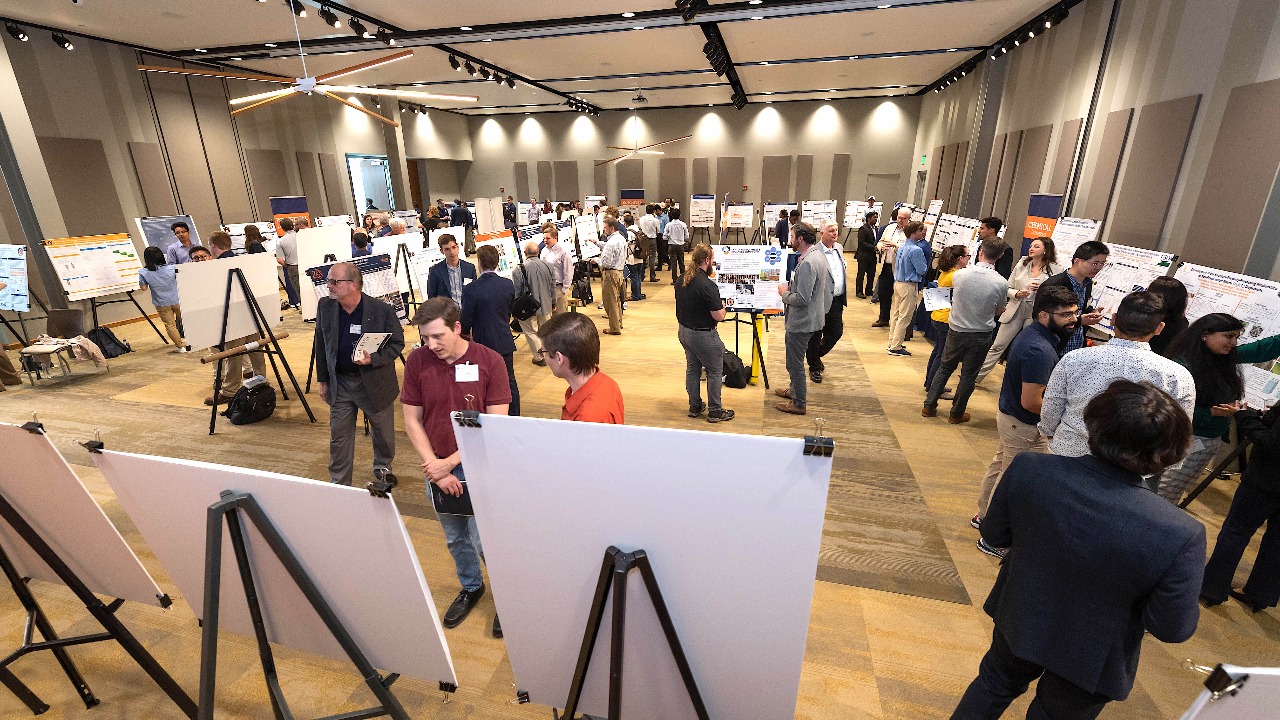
335	281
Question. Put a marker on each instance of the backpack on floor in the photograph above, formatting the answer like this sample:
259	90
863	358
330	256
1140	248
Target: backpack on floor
110	345
251	404
735	373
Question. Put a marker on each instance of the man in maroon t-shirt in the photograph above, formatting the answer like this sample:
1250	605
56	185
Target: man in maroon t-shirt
449	374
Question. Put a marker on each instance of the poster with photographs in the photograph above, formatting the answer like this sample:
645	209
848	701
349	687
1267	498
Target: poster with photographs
379	281
855	212
748	276
508	253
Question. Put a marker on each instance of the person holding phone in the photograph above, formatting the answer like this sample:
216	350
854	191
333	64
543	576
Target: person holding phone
1086	263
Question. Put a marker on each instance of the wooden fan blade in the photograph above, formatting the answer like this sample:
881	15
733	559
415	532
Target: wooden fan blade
665	142
354	106
620	157
215	73
365	65
615	147
260	103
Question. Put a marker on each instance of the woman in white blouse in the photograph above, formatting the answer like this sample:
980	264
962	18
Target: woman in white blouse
1028	273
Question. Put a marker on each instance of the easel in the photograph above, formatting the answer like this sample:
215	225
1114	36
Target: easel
1220	470
95	303
24	337
757	350
693	234
232	506
614	573
739	233
21	337
848	233
403	251
104	614
263	330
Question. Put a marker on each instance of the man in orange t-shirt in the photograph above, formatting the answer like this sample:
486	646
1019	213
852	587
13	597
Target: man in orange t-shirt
572	346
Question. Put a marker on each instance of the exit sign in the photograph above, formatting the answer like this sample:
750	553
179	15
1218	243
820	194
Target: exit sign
922	159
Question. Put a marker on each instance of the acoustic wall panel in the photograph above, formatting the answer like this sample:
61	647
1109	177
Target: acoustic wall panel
775	179
630	174
993	174
601	179
521	170
221	148
180	134
731	175
840	164
1067	142
546	183
804	179
701	179
153	178
958	178
1107	167
335	187
266	169
673	178
82	184
1151	171
313	186
566	172
1033	153
1008	165
946	172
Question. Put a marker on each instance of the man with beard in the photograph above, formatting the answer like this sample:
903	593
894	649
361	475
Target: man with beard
1032	357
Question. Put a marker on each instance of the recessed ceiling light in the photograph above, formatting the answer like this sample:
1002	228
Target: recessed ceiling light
883	7
201	50
758	17
237	59
765	62
488	40
270	44
953	49
638	27
464	27
768	102
768	93
754	2
628	14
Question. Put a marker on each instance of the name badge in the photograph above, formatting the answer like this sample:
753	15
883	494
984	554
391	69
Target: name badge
466	373
355	329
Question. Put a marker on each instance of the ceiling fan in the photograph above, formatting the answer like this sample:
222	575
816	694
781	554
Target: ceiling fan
308	84
639	99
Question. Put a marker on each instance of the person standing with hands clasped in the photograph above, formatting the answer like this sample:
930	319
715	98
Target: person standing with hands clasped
351	381
699	310
807	297
445	375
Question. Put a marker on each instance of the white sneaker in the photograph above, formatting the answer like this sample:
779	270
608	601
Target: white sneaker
182	350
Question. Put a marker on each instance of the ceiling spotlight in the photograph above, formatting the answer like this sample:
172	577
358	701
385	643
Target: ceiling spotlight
689	9
1004	50
453	63
484	72
297	7
510	83
470	70
1031	34
628	14
63	42
464	27
329	16
15	31
754	2
358	28
269	44
384	36
497	78
1017	43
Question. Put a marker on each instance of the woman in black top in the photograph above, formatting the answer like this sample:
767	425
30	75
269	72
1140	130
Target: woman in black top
1174	294
866	256
699	310
1257	501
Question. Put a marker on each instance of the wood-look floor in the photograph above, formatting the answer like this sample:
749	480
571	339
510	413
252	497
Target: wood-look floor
896	630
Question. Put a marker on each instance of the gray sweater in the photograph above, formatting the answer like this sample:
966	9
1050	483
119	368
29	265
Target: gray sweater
809	297
977	298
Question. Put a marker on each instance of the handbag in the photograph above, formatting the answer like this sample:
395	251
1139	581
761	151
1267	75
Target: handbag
446	504
525	305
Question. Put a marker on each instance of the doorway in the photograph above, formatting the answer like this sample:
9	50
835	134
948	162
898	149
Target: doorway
370	182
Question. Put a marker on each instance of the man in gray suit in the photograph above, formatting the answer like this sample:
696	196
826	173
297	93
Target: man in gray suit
351	381
538	278
808	298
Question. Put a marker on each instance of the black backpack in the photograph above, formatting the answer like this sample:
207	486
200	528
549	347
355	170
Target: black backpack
110	345
735	373
251	404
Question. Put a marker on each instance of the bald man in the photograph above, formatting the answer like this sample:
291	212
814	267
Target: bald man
351	380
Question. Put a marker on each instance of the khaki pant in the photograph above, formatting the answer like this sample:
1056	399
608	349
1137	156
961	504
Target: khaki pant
1015	437
8	375
530	328
171	315
612	291
562	300
906	295
233	375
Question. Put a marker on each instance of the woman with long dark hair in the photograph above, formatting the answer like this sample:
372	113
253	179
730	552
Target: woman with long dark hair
1208	349
1175	312
1040	263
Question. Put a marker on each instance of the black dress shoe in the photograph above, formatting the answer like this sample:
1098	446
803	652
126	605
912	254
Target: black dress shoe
497	627
461	607
816	376
1209	602
1245	600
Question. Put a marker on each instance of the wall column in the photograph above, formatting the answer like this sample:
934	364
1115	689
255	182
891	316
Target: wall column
397	164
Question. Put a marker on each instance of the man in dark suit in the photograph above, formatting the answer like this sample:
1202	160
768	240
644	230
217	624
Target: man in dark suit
351	381
447	279
486	315
509	213
1095	560
782	230
460	216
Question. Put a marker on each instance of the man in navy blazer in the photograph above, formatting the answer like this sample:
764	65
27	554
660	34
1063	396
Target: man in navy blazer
447	279
1096	559
486	315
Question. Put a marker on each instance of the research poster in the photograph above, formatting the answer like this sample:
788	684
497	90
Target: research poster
855	212
817	212
931	215
158	231
702	211
331	220
13	277
585	225
748	276
94	266
771	211
954	230
422	262
1261	385
508	253
739	215
379	281
1255	301
590	203
236	231
1128	270
1070	233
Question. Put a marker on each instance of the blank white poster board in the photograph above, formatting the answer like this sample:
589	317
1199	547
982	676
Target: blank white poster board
1257	698
314	244
735	552
202	290
353	546
37	481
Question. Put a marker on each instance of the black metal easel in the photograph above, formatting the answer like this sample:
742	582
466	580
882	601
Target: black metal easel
693	235
19	336
403	251
232	506
738	233
614	572
95	303
103	613
757	348
1220	470
24	337
271	350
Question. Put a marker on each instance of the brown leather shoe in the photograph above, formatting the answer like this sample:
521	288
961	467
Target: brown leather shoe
790	408
783	392
957	420
208	402
927	411
879	324
612	332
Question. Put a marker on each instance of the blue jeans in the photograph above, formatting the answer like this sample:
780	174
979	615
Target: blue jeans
940	330
636	274
463	539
